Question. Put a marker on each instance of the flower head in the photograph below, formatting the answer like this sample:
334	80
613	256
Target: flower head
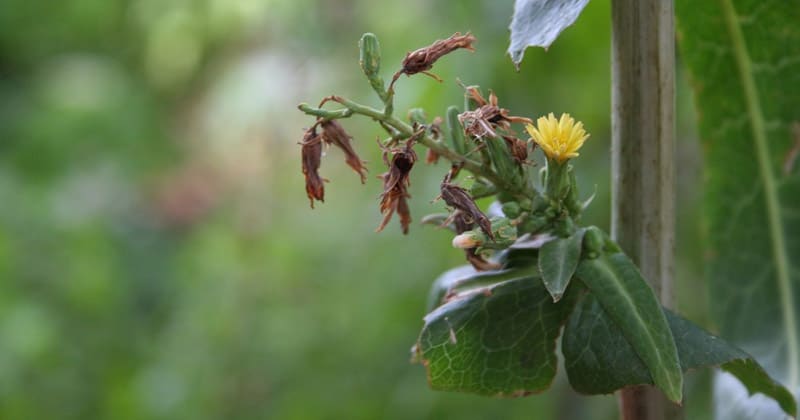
560	139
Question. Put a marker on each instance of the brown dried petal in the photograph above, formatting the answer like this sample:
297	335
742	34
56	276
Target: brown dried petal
518	148
333	133
431	157
311	154
423	58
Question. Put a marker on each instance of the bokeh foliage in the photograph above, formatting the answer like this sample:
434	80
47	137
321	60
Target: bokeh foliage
158	258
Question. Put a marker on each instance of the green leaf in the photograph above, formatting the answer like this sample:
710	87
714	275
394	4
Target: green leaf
558	260
537	23
465	278
498	340
744	62
631	304
599	360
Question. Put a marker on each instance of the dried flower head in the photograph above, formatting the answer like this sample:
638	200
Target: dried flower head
421	60
488	116
311	156
333	133
459	199
559	139
395	186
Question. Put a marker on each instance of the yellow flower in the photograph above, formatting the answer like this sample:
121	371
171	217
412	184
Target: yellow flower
560	139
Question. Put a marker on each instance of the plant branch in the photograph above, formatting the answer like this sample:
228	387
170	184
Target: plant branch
406	131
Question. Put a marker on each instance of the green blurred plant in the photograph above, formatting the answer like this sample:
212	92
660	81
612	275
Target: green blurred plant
492	326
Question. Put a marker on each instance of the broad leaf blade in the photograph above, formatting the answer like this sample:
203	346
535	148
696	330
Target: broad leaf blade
558	260
744	65
537	23
619	287
496	341
599	360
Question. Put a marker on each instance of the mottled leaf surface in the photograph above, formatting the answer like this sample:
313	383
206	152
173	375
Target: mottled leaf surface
744	63
499	340
558	260
630	303
537	23
599	360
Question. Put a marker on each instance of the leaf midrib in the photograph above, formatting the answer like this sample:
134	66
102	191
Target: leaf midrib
633	309
778	241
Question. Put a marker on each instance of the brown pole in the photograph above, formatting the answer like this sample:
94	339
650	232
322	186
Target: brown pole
643	142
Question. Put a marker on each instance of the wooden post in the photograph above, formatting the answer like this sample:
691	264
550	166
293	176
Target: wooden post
643	142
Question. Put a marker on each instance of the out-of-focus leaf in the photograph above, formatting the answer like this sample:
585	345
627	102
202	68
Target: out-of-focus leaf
537	23
599	360
558	260
744	62
498	340
631	304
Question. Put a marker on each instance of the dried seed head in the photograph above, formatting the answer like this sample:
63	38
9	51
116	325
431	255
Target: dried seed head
485	119
459	199
333	133
421	60
311	155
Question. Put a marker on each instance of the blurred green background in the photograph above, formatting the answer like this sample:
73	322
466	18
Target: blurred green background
158	257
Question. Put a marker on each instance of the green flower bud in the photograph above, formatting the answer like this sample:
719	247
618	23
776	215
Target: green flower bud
532	224
512	209
370	57
370	60
593	241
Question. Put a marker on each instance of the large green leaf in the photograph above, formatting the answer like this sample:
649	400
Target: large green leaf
631	304
498	340
558	260
599	360
744	62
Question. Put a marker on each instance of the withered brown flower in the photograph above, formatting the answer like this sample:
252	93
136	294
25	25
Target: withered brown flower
333	133
311	156
421	60
459	199
395	185
488	116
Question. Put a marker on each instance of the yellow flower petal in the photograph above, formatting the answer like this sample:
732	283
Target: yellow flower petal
560	138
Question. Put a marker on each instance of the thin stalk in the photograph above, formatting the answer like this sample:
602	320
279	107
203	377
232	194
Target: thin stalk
406	131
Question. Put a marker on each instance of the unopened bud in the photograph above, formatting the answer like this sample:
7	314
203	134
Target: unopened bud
466	240
370	57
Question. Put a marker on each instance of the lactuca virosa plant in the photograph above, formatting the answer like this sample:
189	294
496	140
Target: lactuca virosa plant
534	269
